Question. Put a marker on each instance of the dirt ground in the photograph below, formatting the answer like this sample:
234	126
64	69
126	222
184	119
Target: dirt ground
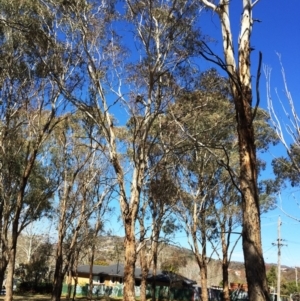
29	297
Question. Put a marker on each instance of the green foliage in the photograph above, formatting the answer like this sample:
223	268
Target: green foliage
170	226
174	262
288	168
288	288
272	277
37	270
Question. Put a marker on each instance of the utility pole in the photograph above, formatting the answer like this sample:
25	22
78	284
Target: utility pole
279	245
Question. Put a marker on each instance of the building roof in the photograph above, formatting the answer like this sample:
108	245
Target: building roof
117	270
112	270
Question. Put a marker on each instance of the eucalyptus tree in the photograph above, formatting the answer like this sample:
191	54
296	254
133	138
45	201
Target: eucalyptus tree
30	102
162	35
156	218
207	136
227	211
209	167
84	186
239	73
37	269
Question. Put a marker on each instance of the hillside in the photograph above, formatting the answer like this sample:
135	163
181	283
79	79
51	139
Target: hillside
110	250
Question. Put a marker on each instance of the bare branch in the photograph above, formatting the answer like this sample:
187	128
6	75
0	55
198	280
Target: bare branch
254	3
209	4
257	86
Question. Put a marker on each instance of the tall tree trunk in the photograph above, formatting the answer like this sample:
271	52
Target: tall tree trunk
203	273
69	281
254	262
240	82
58	275
201	261
75	287
144	260
58	272
91	286
14	239
225	266
202	258
10	275
145	271
155	263
3	246
130	260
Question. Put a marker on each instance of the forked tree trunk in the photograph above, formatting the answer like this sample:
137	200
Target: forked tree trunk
240	82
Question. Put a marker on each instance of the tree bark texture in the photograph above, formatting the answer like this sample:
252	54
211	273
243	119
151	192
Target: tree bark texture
10	273
225	266
253	255
145	271
58	276
130	259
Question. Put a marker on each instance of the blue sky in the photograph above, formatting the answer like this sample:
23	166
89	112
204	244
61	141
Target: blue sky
279	32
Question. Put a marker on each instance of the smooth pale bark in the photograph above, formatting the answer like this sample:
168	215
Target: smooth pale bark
151	31
129	206
240	81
